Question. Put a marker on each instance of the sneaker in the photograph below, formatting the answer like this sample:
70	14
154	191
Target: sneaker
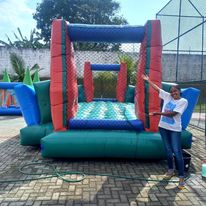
169	174
181	185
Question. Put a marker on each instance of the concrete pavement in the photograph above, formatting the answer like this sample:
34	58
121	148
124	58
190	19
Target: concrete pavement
94	189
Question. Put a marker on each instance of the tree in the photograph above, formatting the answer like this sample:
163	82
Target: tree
19	67
76	11
105	84
23	42
131	68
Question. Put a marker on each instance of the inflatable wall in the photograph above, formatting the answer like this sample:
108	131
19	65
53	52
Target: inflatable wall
68	121
64	88
8	101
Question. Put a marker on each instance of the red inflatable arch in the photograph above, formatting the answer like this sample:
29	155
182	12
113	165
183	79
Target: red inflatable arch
147	99
63	88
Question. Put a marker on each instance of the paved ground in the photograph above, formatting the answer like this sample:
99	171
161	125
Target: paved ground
94	189
198	119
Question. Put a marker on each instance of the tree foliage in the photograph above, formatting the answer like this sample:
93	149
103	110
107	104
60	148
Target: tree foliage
18	65
76	11
105	84
131	68
34	41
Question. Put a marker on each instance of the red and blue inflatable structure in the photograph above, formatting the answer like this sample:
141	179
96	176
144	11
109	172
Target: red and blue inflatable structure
57	119
8	103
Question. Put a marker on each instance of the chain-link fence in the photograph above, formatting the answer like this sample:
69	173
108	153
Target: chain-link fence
183	25
104	61
198	117
103	54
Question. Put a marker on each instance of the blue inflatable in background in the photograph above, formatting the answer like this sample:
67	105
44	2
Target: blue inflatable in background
8	102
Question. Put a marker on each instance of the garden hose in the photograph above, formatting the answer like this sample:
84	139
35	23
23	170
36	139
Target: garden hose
61	175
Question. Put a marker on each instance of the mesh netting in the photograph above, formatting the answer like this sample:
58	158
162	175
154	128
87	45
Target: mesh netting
105	81
105	110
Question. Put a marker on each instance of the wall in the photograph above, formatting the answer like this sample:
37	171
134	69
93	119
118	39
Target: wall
189	65
31	57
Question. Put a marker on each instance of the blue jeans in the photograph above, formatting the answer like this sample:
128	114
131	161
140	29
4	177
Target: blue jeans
172	145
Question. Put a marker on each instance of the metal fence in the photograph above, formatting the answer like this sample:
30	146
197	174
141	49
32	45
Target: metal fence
183	25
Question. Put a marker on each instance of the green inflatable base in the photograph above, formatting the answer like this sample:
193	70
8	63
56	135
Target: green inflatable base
31	135
104	143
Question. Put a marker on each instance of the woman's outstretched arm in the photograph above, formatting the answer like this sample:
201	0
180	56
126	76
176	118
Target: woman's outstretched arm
154	86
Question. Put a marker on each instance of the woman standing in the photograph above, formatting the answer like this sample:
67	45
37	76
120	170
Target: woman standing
170	127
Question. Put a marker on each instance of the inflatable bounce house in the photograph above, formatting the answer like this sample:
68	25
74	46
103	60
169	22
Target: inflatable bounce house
8	101
66	119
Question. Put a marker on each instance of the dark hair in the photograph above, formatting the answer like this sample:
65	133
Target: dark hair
176	87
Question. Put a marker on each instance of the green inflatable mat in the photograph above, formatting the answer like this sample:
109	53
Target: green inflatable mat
101	143
101	110
31	135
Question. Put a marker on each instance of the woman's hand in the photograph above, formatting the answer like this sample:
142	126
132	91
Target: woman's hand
145	77
154	86
154	113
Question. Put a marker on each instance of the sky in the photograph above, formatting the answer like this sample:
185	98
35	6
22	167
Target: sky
18	13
